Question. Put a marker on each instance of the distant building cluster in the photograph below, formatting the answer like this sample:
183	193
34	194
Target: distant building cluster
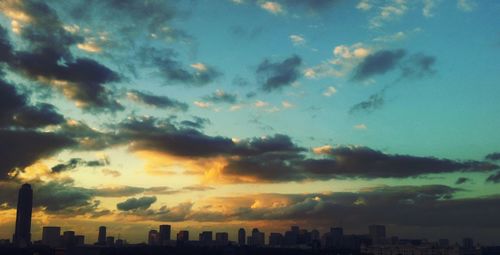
293	241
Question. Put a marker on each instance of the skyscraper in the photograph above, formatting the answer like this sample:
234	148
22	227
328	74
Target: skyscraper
101	240
377	233
241	236
153	237
22	234
51	236
164	234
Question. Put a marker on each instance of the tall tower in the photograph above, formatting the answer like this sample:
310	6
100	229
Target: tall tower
165	234
241	236
101	239
22	234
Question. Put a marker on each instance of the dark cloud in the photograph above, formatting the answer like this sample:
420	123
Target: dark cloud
418	66
462	180
493	156
136	203
343	162
45	31
275	75
21	148
494	178
196	123
63	197
313	5
369	163
373	102
131	18
157	101
78	162
164	136
81	80
15	110
378	63
221	96
48	59
175	72
240	81
427	206
6	51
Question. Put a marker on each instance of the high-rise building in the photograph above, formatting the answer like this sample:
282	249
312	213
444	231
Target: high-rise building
79	240
257	238
377	233
68	239
205	236
241	236
315	235
275	239
51	236
22	234
468	243
222	237
153	237
183	236
101	240
165	233
110	241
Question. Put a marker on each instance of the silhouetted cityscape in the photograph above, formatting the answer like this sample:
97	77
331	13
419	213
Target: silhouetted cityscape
163	240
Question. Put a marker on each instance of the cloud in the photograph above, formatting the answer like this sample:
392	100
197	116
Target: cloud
220	96
196	123
49	59
378	63
494	178
272	7
22	148
418	66
276	75
174	72
78	162
345	57
297	40
156	101
63	198
373	102
429	6
390	11
401	207
15	110
493	156
466	5
360	126
330	91
136	203
111	172
202	104
164	136
462	180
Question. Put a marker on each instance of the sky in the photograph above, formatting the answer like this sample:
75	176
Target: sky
221	114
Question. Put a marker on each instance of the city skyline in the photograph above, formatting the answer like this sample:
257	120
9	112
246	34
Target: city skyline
226	114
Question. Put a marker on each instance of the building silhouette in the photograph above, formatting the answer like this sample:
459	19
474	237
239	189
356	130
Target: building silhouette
183	236
206	236
51	236
222	237
153	237
22	234
257	238
241	236
377	233
165	234
101	240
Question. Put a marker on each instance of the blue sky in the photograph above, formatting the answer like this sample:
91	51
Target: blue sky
197	103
